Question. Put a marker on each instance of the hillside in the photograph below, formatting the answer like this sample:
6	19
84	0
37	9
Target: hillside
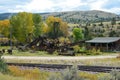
83	16
5	16
75	16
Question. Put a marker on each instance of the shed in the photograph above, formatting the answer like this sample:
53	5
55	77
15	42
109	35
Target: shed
105	43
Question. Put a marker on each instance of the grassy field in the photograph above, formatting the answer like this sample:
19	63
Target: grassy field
36	74
29	53
16	52
103	62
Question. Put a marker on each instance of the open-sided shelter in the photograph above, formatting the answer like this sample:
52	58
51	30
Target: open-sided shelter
105	43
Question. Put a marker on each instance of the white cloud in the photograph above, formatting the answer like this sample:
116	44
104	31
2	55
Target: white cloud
49	5
39	5
97	4
63	5
113	10
68	5
15	10
34	6
1	7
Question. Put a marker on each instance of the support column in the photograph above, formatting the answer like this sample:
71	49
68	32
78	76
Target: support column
95	45
107	47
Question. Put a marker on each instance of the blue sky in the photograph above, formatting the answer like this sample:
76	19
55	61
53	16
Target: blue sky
37	6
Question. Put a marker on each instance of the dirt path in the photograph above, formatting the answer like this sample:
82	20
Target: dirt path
59	57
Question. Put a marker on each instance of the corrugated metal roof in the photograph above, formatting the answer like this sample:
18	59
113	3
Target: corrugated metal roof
104	40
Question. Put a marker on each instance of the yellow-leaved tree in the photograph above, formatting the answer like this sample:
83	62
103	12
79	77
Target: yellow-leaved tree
56	27
21	26
4	27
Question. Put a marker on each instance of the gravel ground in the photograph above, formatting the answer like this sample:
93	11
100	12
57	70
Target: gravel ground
59	57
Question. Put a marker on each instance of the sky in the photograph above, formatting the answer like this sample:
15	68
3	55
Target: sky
43	6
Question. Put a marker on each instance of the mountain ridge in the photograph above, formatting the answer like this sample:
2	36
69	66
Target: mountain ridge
75	16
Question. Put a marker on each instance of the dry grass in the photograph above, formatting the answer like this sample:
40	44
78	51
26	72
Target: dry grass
28	74
9	77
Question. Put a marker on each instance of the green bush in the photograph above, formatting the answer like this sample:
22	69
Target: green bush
76	48
115	74
94	52
83	50
55	53
79	49
3	66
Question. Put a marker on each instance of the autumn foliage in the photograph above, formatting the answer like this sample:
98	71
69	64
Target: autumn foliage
4	27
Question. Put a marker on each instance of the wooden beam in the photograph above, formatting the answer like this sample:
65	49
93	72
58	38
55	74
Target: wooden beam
107	46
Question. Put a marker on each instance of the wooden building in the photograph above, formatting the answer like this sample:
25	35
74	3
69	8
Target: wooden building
105	43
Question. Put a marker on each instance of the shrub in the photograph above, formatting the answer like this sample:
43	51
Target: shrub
67	74
82	49
98	52
3	66
88	76
94	52
55	76
55	53
32	74
106	77
114	75
76	48
71	74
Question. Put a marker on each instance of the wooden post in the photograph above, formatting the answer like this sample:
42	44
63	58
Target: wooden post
107	46
95	45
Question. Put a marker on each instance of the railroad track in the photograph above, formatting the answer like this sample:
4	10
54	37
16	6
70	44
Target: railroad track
60	67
